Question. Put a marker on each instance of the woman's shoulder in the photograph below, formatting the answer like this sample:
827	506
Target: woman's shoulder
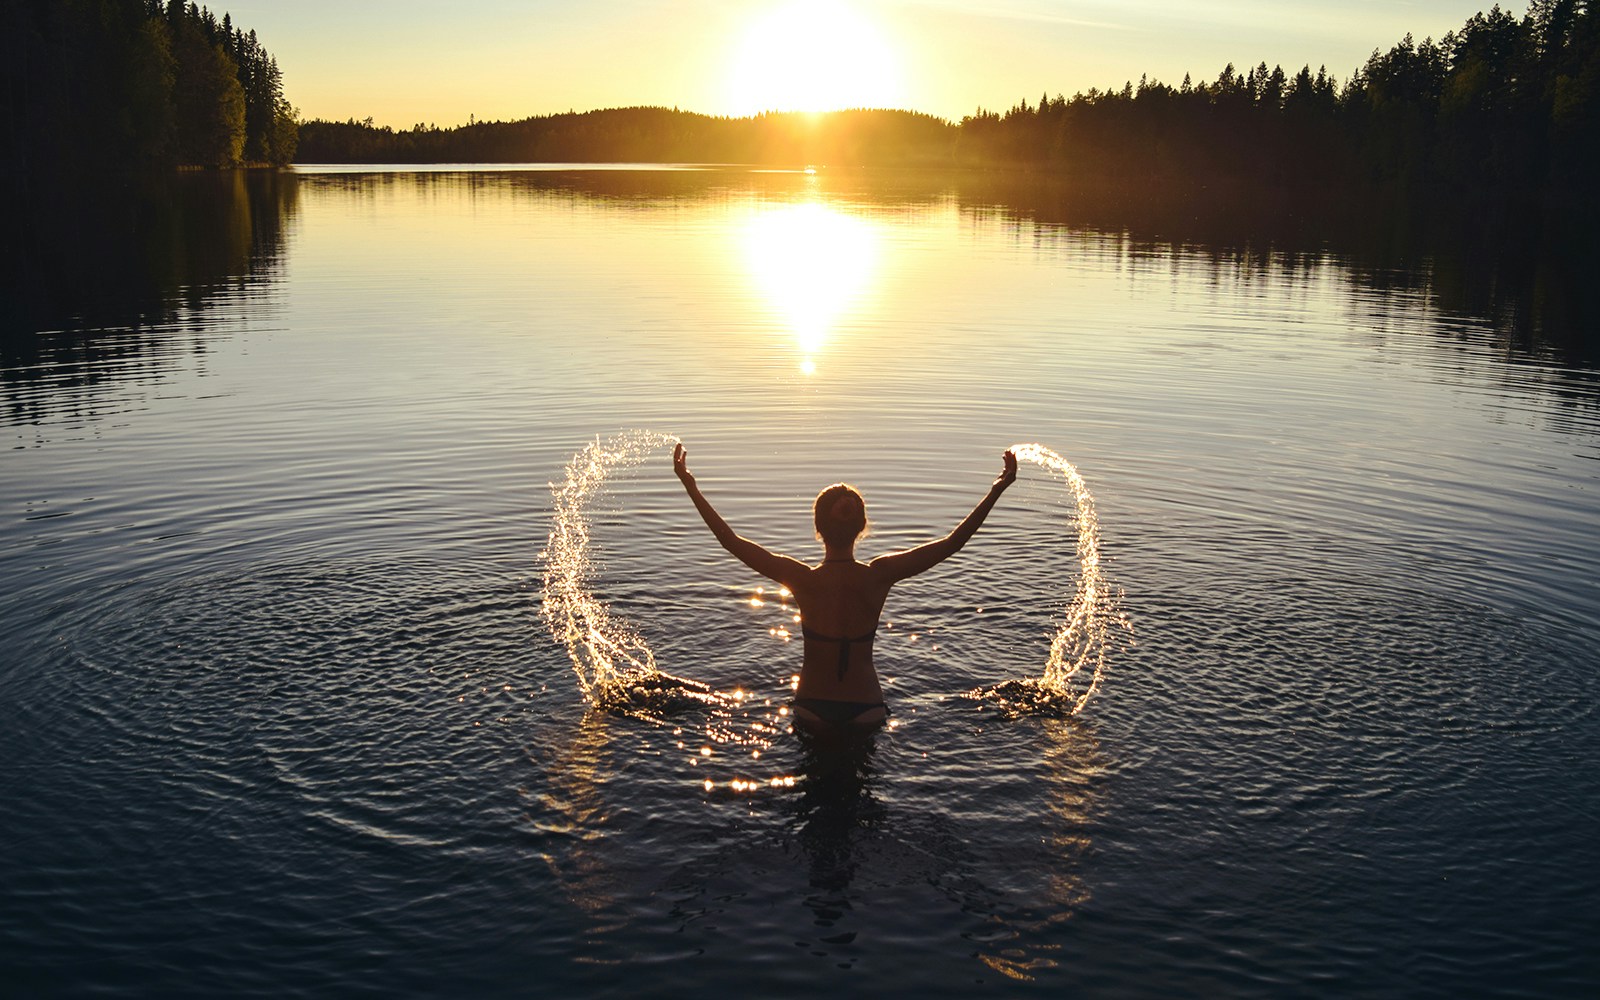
830	574
844	568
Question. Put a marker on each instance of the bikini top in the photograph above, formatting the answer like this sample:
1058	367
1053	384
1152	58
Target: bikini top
844	644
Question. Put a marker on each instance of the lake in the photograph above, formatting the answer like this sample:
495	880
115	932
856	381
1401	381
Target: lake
283	713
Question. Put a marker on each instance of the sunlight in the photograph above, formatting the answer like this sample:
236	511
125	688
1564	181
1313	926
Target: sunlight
816	56
811	262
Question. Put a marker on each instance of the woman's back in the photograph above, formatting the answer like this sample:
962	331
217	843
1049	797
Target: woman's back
841	603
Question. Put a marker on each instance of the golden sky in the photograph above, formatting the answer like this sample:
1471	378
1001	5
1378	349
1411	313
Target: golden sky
408	61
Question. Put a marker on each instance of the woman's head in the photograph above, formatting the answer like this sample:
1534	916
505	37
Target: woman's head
840	514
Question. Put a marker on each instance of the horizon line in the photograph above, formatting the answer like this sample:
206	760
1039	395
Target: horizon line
473	121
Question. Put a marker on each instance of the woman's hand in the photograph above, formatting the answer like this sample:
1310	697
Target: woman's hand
680	465
1008	475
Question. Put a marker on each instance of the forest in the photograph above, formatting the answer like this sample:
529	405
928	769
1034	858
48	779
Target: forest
1502	107
96	84
1501	110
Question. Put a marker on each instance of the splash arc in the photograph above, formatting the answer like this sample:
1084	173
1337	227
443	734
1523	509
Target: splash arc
1076	664
615	666
603	647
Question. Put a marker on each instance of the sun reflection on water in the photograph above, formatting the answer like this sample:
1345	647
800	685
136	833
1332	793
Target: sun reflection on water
812	262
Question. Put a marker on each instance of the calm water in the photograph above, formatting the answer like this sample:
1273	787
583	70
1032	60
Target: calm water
280	713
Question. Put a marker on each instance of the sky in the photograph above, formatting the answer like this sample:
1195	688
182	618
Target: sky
445	62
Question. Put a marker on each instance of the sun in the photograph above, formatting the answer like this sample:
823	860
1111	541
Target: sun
814	56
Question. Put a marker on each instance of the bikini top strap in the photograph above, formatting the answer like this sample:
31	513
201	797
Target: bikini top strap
844	644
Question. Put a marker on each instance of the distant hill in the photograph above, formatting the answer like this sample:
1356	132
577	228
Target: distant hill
647	135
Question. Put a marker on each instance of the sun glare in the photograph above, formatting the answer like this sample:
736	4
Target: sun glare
811	262
815	56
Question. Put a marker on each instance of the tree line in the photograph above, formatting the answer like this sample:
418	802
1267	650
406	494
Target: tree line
139	83
1502	106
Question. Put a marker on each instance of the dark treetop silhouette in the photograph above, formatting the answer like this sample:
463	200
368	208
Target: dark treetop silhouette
97	84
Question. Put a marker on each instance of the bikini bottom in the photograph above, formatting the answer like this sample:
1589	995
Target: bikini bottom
839	713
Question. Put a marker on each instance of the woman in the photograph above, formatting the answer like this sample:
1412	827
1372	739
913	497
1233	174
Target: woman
840	598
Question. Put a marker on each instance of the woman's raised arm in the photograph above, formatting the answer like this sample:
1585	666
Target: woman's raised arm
781	569
900	565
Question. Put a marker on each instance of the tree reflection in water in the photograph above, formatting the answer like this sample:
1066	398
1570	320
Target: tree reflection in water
132	277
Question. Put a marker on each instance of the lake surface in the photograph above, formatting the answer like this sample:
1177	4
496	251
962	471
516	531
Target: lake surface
282	715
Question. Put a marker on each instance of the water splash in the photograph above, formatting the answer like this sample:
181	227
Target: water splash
615	666
1077	660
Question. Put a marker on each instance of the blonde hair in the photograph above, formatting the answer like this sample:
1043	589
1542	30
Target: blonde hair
840	515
